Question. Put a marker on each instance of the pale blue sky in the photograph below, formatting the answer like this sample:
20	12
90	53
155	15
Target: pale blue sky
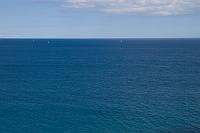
99	18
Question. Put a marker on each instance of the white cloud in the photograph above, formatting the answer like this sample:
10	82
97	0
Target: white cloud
144	7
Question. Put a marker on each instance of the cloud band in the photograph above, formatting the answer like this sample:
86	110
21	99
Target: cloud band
145	7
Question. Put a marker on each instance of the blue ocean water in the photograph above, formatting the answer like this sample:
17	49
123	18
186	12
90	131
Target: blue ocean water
100	86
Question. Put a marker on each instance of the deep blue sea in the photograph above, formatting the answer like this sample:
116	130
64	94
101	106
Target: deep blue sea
100	86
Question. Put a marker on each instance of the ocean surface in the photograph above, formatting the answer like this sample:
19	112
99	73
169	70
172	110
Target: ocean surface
100	86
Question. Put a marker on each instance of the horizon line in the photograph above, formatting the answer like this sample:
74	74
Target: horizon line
85	38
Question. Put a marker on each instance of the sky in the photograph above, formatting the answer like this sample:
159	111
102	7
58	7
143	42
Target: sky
99	18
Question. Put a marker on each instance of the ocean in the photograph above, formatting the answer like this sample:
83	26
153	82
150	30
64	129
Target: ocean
99	85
